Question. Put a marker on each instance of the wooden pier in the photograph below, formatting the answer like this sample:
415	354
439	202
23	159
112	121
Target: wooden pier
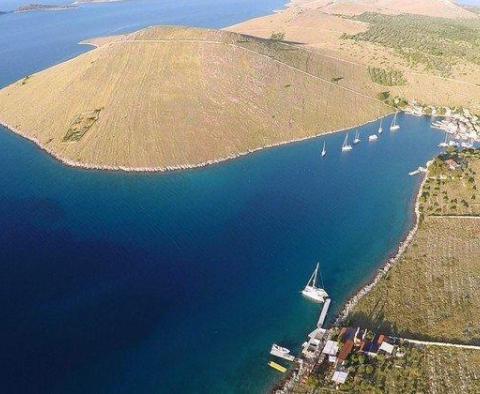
323	315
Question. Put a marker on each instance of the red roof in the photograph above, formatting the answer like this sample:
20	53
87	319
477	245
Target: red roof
346	350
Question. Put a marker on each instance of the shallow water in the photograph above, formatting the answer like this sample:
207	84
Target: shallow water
180	282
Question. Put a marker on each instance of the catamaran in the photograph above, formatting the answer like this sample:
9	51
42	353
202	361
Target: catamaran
373	137
357	138
324	150
380	129
444	144
311	290
346	146
394	126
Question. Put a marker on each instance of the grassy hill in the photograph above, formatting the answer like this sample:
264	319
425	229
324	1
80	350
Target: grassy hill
179	97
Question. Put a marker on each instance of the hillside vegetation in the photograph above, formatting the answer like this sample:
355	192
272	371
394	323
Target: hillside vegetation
178	97
433	292
436	43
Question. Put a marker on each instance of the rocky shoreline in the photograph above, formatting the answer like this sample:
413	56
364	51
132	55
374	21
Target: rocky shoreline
353	301
179	167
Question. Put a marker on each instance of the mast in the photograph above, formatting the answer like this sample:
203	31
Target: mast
394	122
313	279
315	273
346	140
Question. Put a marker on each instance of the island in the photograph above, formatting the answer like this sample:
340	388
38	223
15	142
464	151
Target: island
169	98
44	7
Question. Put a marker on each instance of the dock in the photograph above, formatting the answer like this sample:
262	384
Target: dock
323	315
287	357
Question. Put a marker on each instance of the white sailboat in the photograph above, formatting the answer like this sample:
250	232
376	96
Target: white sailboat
346	146
324	150
444	144
380	129
394	126
372	137
311	291
357	138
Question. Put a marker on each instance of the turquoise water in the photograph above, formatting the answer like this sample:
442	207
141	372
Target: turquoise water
180	282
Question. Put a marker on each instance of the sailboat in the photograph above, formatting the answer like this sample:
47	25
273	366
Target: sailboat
372	137
311	291
357	138
394	126
324	150
444	144
346	146
380	129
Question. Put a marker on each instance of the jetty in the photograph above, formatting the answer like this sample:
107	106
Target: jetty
283	355
323	314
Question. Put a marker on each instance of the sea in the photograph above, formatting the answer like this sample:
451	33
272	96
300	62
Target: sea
179	282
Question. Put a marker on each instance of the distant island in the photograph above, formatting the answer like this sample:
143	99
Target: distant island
44	7
96	1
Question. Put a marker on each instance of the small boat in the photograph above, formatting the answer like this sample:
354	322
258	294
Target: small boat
278	367
346	146
452	143
373	137
324	150
357	138
278	349
394	126
380	129
311	290
444	144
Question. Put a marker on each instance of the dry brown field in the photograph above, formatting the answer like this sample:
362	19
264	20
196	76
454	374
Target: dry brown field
172	97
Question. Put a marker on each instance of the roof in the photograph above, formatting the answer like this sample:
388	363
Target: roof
331	348
346	350
340	377
372	348
386	347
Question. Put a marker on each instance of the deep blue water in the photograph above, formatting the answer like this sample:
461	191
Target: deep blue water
180	282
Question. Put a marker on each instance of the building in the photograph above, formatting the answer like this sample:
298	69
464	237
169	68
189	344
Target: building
452	164
345	352
340	377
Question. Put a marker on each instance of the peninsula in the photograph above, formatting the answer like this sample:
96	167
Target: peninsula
169	98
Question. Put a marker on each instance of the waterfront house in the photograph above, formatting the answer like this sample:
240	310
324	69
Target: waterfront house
345	351
452	164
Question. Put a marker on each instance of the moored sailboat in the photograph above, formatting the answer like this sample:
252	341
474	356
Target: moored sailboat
444	144
311	291
372	137
380	129
357	138
346	146
394	126
324	150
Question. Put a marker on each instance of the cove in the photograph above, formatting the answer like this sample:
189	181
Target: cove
180	282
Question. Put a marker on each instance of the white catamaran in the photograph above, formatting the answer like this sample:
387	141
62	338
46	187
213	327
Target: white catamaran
394	125
324	150
380	129
311	291
357	138
373	137
346	146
